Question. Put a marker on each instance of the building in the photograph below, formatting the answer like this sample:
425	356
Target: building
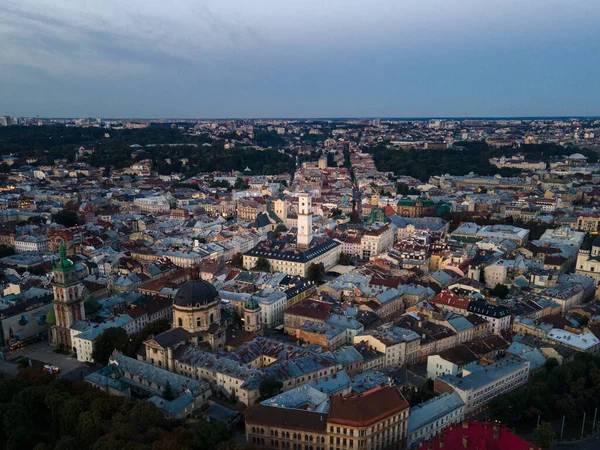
589	223
68	300
153	205
471	232
415	208
451	361
305	233
497	316
25	320
428	419
481	384
293	420
588	260
477	436
397	344
129	377
283	256
154	309
28	243
197	310
375	419
376	241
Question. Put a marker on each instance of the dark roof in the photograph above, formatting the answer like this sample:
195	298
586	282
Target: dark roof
172	337
196	293
295	419
367	408
459	355
284	250
486	309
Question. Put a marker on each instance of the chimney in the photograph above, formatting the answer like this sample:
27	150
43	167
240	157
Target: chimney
465	441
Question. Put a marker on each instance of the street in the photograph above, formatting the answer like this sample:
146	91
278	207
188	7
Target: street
69	367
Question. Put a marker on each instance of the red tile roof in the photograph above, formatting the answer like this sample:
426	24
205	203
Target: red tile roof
367	408
477	436
450	299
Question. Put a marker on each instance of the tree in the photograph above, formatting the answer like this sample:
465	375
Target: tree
66	218
110	340
262	264
345	259
6	251
354	217
269	387
315	272
208	436
240	184
336	212
237	260
543	434
500	290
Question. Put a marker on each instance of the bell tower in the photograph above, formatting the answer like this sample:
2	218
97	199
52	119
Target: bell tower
68	299
305	235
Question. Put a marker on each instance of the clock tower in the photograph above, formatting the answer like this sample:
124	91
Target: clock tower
68	299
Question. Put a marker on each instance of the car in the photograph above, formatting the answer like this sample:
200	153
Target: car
51	369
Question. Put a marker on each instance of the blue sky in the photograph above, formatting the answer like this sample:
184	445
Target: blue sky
308	58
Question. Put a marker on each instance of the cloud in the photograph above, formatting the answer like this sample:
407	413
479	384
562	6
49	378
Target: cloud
296	57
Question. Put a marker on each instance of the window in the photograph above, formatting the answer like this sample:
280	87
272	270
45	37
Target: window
198	322
180	322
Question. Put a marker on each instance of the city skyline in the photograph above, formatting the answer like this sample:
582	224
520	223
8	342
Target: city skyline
242	60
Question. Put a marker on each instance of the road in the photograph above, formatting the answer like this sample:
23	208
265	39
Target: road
70	368
591	443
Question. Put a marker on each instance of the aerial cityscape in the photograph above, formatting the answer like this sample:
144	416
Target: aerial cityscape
336	225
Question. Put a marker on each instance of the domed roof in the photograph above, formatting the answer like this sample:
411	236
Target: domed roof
196	293
577	156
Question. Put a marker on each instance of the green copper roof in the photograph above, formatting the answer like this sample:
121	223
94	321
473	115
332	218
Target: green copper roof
251	304
64	263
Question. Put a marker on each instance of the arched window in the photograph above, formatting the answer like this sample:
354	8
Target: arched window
198	322
254	429
212	318
180	322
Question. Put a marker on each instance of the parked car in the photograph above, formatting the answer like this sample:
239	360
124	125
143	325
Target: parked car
51	369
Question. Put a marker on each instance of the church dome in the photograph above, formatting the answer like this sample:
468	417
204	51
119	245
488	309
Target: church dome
196	293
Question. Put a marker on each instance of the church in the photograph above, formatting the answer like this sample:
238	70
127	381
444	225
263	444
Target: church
588	259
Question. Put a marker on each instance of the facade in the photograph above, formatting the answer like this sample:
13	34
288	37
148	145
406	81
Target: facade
377	418
428	419
400	346
153	205
482	384
68	300
377	241
305	234
589	223
415	208
292	260
197	310
24	321
28	243
588	260
497	316
128	377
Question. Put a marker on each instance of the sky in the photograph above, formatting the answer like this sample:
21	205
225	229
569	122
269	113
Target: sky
299	58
